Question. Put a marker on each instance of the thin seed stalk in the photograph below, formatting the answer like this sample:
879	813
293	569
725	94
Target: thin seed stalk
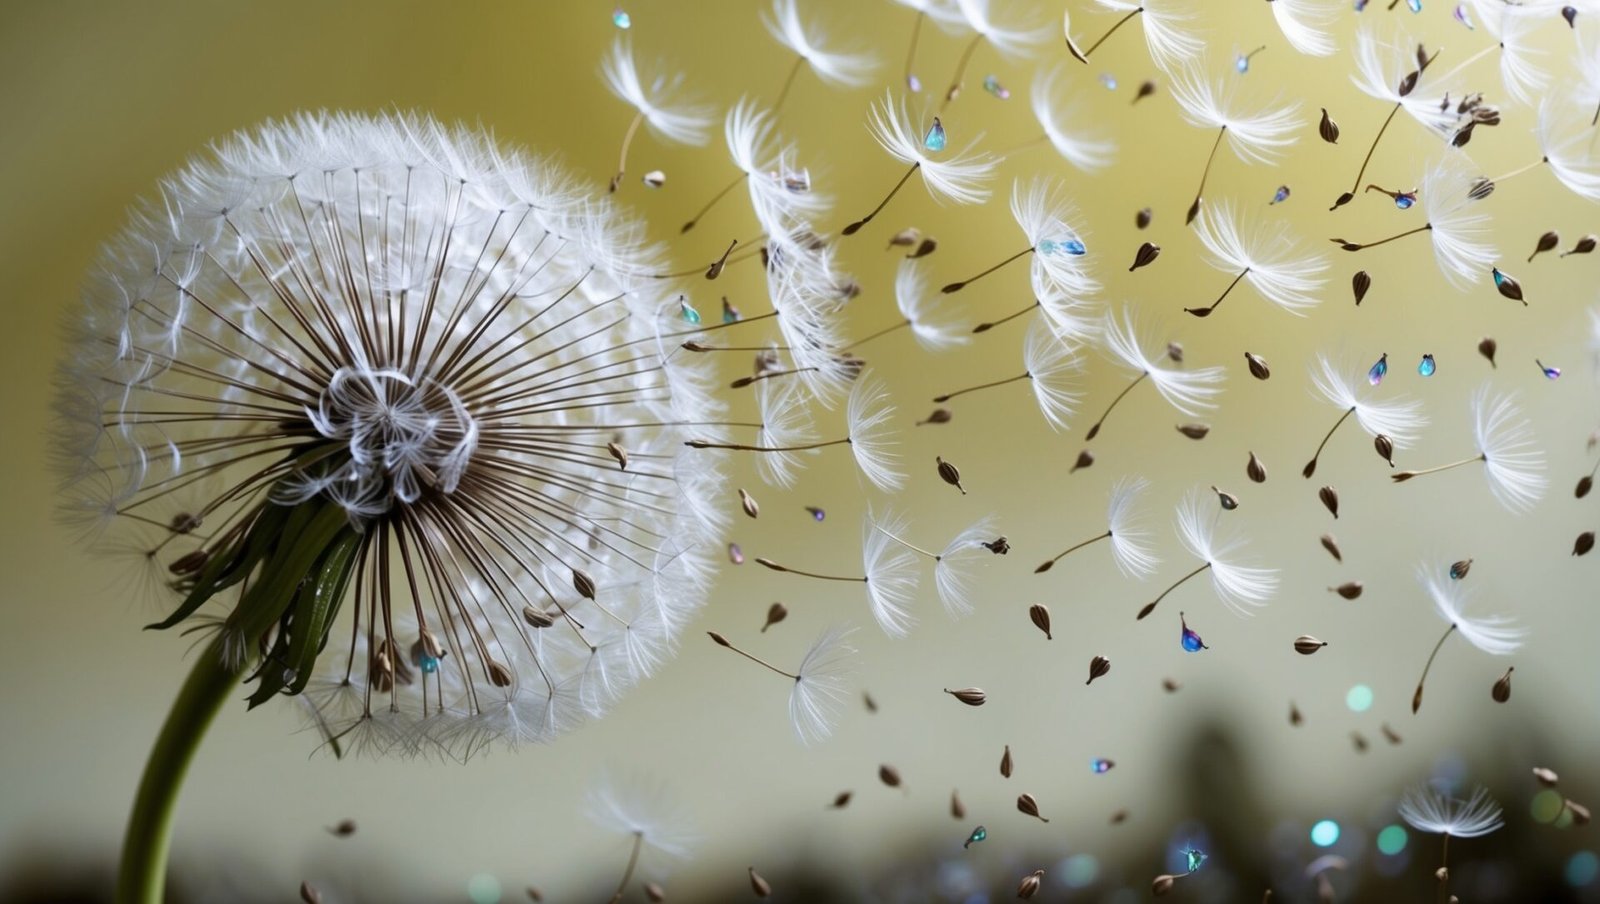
1151	607
1095	430
1311	466
1109	33
1069	550
1416	698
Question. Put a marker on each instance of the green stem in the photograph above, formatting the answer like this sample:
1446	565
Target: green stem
143	874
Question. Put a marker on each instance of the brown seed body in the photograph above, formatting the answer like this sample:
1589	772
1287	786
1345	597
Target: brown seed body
1098	666
1332	546
309	893
1580	813
1029	886
655	893
1142	218
1327	128
748	503
1005	763
1349	590
1385	448
1501	692
344	829
1305	644
1194	431
1085	459
1359	741
971	696
1040	616
1546	777
1170	686
939	416
1389	734
889	775
958	810
1027	806
1547	242
1162	885
1583	246
1359	284
1486	348
1583	544
1258	366
950	474
776	612
760	886
620	454
842	799
1255	470
1295	718
1585	484
1330	499
1145	256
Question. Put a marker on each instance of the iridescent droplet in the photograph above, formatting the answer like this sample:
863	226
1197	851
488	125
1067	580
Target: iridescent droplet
1427	367
1191	641
429	664
735	554
992	85
1464	17
1072	246
1550	373
1414	5
1361	5
690	315
816	513
730	314
914	83
1241	63
978	834
1281	195
1404	199
1109	80
935	139
620	18
1100	766
1193	857
1375	375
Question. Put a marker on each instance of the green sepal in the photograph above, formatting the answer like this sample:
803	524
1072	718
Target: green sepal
223	571
307	621
307	535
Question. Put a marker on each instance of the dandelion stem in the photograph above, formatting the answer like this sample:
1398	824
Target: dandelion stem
723	641
1416	698
1520	170
961	72
1108	34
1152	606
143	873
1095	430
883	332
1444	867
1407	475
622	158
711	203
958	286
1044	567
627	874
1206	311
788	83
1356	246
739	447
1349	195
768	563
1311	466
989	325
911	51
950	395
1194	209
855	227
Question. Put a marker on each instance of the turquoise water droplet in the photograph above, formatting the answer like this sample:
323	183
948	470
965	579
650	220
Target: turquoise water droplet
1109	80
620	18
1073	247
429	664
935	139
1375	375
1414	5
1499	278
690	315
1241	63
1427	367
1281	195
1465	18
1099	766
978	834
1550	373
1193	858
992	85
730	314
1405	199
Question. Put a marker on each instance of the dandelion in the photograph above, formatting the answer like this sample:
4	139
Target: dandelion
890	574
952	574
1305	24
780	194
1056	244
1430	810
1129	540
1266	257
1392	73
1240	587
1512	462
867	416
1257	135
1052	366
1496	635
1568	152
641	809
1397	419
1068	126
820	683
959	177
1453	226
1011	39
1168	31
1189	391
919	309
668	116
401	355
842	69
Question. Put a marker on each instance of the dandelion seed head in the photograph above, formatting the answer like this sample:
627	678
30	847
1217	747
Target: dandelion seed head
822	689
1190	391
1512	460
1398	419
1428	809
1497	635
1270	258
666	109
1241	588
958	177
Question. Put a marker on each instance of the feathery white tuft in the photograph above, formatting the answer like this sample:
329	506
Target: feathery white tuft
1497	635
872	439
1129	538
1456	226
1013	38
785	422
1047	217
1306	24
891	572
925	310
820	690
1240	587
1169	30
780	193
843	69
1067	122
1513	27
1429	810
1569	147
1054	365
958	176
1268	255
1258	134
1512	461
952	568
1189	391
1398	419
668	115
1381	66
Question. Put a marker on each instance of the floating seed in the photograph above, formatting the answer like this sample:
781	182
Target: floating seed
1295	718
1385	447
978	834
1547	242
1030	884
1481	188
999	545
309	893
939	416
1570	13
1170	686
1459	569
1175	352
1258	366
1255	470
1584	246
905	238
1100	765
1349	590
1085	459
1508	285
889	775
499	674
1145	256
971	696
620	454
1142	218
816	514
1584	543
1305	644
1359	741
1389	734
655	179
776	612
1327	128
1119	817
1486	348
735	554
1585	484
1162	884
958	810
1330	499
1027	806
535	894
950	474
1194	431
1005	762
582	583
1546	777
924	248
1580	813
760	886
1501	692
871	704
719	639
655	893
1098	666
842	799
344	829
1332	546
748	503
1040	616
1146	88
1228	501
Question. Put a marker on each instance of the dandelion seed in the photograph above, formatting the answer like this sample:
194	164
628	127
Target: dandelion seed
1486	348
889	775
841	800
1507	285
1583	544
890	573
1191	391
1029	886
1027	806
1258	366
1005	762
1427	809
748	503
1146	89
1501	691
309	893
1305	644
1098	667
1143	217
1547	242
1513	464
1332	546
1265	257
1145	256
1254	135
1493	634
959	178
1255	470
1397	419
1052	365
1068	128
1085	459
939	416
1359	284
839	68
1453	227
776	612
654	179
1350	590
1040	616
1129	539
1384	71
1056	245
640	809
1010	38
1167	26
1240	587
818	694
659	107
950	474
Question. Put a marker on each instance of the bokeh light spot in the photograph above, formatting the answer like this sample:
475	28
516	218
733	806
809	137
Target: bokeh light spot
1582	868
1359	699
483	889
1325	833
1392	840
1081	870
1546	805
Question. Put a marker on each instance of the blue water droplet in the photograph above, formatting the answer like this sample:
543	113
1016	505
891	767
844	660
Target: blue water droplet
690	315
1241	63
730	314
735	554
816	513
1427	367
430	664
978	834
935	139
1375	375
1550	373
1191	641
621	19
1465	18
1281	195
1072	246
1193	858
1414	5
1499	278
992	85
1405	199
1100	766
1109	80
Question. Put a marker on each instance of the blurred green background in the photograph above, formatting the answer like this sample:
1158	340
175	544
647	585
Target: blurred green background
100	100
